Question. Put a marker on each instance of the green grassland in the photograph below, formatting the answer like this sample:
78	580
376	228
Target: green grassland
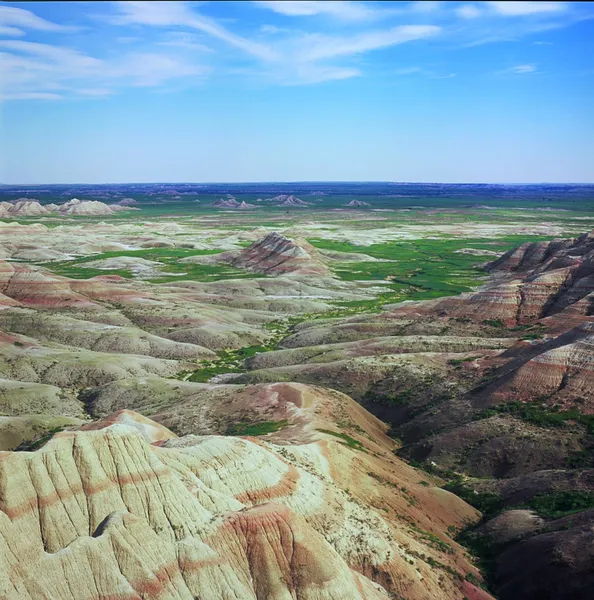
422	269
172	269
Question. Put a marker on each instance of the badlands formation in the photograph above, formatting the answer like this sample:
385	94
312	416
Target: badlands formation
24	207
193	412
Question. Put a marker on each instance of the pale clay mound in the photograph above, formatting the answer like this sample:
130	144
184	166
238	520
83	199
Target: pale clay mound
213	513
24	207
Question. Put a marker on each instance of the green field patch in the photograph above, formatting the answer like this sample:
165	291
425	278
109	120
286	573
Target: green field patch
261	428
422	269
347	440
168	259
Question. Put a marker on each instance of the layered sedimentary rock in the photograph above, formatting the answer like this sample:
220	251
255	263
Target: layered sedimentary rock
24	207
276	254
86	207
548	278
27	208
560	371
100	511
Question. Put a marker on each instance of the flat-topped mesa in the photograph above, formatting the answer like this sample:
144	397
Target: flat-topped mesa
275	254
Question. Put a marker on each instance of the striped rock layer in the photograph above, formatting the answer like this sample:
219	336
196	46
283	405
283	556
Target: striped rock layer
101	513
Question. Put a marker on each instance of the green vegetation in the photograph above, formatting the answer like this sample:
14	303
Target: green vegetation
253	429
347	439
494	322
424	268
461	361
36	443
168	259
561	504
541	415
488	503
231	361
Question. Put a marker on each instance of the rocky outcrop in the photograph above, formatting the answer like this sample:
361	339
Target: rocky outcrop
560	372
357	203
277	255
24	207
543	255
546	279
27	208
229	203
78	207
204	517
244	205
288	200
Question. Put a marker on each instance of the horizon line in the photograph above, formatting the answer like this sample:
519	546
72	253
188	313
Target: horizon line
301	182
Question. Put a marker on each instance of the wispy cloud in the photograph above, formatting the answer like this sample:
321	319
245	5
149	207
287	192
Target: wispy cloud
43	71
296	58
317	47
515	9
423	72
468	11
13	21
521	69
166	14
181	39
303	8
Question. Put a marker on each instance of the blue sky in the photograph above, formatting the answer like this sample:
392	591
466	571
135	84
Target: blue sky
288	91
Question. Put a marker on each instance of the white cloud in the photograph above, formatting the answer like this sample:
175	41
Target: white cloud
542	43
69	59
29	96
317	47
426	6
448	76
468	11
521	69
25	19
310	73
163	14
7	30
181	39
31	70
514	9
336	8
273	29
150	69
423	72
95	92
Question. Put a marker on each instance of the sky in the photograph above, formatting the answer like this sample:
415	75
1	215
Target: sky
116	92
